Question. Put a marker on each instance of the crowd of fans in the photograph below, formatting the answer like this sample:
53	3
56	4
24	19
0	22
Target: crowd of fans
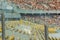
55	19
38	4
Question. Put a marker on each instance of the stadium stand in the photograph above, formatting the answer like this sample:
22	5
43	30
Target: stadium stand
31	27
28	24
38	4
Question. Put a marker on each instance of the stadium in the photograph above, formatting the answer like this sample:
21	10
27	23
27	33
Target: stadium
29	20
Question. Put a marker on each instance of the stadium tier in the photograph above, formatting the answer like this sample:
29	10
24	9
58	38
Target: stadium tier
37	4
31	27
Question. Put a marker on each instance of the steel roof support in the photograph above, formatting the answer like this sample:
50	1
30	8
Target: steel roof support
3	25
46	33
